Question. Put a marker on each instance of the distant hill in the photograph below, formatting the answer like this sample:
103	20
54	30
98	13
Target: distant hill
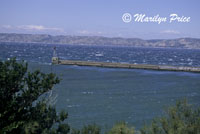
191	43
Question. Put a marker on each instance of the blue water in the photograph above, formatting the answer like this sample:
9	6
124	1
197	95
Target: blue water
104	95
159	56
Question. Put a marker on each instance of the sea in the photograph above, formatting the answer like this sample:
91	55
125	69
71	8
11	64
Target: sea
105	96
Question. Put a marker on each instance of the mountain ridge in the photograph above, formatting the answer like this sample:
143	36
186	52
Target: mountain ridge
190	43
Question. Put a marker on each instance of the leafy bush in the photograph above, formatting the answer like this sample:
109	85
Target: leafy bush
121	128
20	110
180	119
89	129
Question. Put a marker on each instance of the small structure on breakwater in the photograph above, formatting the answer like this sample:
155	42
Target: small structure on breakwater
55	58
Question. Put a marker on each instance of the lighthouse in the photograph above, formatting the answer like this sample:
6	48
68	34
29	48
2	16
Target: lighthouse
55	58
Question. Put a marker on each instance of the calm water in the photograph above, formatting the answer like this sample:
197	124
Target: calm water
105	95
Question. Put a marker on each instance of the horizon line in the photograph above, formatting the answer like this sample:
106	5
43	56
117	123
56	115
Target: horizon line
100	36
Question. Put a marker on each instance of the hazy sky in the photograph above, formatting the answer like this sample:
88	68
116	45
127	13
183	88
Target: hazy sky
99	18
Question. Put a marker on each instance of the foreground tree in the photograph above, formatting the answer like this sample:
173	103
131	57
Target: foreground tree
121	128
23	109
88	129
180	119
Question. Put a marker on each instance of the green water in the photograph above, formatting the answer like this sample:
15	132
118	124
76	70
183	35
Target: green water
105	96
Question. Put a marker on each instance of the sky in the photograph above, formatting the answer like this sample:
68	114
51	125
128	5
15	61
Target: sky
99	18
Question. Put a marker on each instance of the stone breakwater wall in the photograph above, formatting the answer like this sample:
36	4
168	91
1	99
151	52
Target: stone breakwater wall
126	65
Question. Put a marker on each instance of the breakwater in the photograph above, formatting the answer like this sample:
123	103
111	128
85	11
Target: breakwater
55	60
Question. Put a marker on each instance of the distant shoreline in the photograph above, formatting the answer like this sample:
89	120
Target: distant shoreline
183	43
149	47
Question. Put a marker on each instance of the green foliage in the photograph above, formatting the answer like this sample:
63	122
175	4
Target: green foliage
20	109
89	129
121	128
75	131
180	119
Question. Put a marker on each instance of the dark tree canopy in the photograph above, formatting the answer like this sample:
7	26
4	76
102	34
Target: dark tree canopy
21	111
